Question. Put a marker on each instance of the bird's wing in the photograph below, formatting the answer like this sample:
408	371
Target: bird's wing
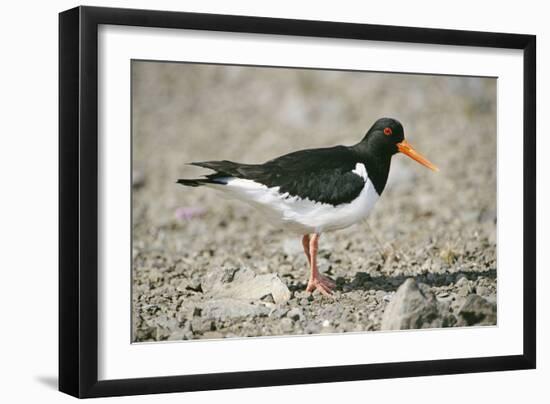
326	175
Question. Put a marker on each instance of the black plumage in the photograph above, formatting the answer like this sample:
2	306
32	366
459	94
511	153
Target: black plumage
322	175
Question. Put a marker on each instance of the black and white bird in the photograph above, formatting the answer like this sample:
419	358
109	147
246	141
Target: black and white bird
313	191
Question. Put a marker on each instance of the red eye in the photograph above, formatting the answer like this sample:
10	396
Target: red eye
387	131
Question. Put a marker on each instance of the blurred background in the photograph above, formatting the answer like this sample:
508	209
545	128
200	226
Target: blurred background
439	228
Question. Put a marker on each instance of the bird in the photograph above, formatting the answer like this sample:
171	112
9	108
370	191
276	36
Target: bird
312	191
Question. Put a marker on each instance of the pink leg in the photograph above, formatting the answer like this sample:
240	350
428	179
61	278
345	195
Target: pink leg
305	244
317	281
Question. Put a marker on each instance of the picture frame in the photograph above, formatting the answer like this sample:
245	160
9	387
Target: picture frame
79	175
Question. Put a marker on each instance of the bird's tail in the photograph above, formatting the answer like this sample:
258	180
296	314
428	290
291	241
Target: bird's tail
223	170
192	182
212	179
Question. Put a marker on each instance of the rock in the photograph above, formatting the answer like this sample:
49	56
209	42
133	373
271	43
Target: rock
380	295
200	325
189	284
194	284
463	287
278	312
227	308
410	307
212	335
182	333
244	284
306	301
268	299
295	314
155	276
216	279
286	324
388	297
483	291
477	311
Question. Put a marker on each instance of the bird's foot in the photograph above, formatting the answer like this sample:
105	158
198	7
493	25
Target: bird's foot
322	283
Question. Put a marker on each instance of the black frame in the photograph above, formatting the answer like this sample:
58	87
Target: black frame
78	206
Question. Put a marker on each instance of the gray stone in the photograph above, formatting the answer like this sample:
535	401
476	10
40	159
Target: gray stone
185	285
245	284
380	295
483	291
278	312
212	335
295	314
477	311
268	299
463	286
227	308
388	297
286	324
410	307
181	333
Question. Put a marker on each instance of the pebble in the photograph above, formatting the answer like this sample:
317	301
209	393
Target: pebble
286	324
295	314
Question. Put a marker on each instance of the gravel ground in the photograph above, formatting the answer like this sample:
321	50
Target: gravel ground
206	267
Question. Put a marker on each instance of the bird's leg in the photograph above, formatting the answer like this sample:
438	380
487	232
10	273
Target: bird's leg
316	280
305	244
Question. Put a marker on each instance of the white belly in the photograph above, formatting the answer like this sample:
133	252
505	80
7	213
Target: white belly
302	216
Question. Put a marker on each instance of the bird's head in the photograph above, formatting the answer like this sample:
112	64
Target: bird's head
387	136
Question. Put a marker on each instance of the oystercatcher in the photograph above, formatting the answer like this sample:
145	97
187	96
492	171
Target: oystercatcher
315	190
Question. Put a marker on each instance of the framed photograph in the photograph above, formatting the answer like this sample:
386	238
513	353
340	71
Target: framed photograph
250	201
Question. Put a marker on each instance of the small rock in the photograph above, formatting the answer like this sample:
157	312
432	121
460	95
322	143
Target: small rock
356	296
268	299
194	284
155	275
200	325
295	314
286	324
387	298
301	294
477	311
182	286
411	308
326	323
305	301
278	312
212	335
228	308
244	284
181	333
483	291
463	287
380	295
189	284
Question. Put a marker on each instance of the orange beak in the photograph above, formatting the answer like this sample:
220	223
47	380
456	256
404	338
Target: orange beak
405	148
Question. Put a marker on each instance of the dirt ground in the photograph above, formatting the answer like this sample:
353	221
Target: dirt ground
437	228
